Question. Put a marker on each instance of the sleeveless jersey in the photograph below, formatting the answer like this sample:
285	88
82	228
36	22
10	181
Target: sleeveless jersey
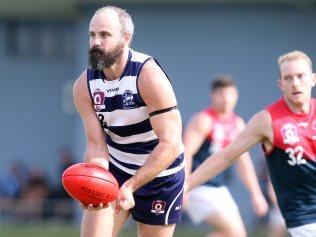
124	117
292	163
222	133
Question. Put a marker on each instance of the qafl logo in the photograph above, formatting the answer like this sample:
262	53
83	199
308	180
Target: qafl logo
289	133
98	99
158	207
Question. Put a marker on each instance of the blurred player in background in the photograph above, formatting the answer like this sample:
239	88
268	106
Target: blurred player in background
276	224
133	128
287	131
209	132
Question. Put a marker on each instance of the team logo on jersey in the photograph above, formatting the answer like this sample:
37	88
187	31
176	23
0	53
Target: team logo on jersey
218	137
128	100
219	132
98	99
158	207
289	133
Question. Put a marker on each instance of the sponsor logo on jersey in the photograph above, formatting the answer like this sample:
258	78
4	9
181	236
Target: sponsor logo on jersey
158	207
112	90
98	99
289	133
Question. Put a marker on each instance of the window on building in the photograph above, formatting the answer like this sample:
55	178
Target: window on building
43	40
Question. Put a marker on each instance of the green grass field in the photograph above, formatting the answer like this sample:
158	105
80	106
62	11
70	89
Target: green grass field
58	230
64	230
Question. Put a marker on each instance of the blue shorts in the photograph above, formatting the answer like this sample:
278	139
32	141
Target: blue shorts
159	202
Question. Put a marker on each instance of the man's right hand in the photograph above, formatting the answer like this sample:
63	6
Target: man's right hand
101	162
186	187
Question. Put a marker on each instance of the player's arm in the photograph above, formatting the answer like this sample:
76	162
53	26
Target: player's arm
249	178
194	135
255	131
156	91
271	192
96	150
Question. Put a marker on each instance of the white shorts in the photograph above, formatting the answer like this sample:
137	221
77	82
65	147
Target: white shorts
303	231
205	200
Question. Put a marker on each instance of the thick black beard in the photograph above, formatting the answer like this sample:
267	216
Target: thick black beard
99	59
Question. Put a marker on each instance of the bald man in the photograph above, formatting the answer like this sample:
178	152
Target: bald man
133	129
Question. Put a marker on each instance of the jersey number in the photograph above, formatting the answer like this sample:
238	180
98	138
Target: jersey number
101	118
295	155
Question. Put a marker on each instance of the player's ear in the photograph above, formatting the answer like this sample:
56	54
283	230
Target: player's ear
280	84
126	39
237	93
314	79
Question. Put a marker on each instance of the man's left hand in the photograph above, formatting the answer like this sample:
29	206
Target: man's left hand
260	205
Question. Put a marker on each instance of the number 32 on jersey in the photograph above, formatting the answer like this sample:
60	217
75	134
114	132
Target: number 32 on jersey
295	155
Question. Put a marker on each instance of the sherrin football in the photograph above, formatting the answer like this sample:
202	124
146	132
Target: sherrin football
90	184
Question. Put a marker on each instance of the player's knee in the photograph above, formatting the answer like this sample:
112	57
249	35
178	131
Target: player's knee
238	233
235	231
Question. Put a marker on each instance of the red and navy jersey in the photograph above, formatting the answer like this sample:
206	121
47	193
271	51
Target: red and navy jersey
292	162
222	133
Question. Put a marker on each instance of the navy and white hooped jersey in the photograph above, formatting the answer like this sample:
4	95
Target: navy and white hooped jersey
124	116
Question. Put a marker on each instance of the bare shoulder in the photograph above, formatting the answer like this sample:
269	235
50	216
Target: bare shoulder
201	121
256	131
151	71
260	123
262	118
155	88
81	93
80	84
240	122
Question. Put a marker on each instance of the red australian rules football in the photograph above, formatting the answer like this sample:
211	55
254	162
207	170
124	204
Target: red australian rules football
90	184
